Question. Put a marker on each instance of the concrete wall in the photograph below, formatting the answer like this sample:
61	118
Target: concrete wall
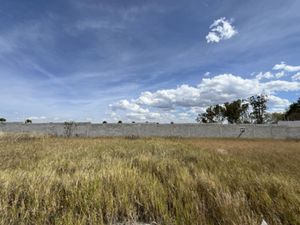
159	130
295	123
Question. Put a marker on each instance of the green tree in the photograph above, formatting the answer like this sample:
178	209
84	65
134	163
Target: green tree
275	117
213	114
236	111
259	106
293	113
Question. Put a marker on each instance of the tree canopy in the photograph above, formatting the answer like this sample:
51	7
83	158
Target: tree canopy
293	113
236	111
259	106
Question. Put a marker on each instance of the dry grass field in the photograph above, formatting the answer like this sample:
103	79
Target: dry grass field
47	180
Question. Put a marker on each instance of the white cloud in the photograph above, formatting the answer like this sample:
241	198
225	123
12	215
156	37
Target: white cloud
288	68
183	95
207	74
186	101
278	104
280	85
152	116
267	75
134	111
296	76
126	105
221	29
280	74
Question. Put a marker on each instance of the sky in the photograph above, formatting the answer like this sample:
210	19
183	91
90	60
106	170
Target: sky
138	60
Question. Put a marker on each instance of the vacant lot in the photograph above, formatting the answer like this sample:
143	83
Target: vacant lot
47	180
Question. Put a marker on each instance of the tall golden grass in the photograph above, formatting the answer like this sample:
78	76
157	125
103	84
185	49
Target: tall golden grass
46	180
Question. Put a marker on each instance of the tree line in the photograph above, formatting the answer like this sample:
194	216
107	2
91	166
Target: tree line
251	110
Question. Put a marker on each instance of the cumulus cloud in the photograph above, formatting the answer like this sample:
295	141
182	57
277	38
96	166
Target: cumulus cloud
134	111
221	29
186	101
183	95
277	104
288	68
126	105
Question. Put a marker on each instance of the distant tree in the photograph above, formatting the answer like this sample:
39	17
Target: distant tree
275	117
207	116
236	111
120	121
259	106
219	113
2	120
104	122
28	121
213	114
172	122
293	113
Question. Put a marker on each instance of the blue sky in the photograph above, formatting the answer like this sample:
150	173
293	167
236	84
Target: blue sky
89	60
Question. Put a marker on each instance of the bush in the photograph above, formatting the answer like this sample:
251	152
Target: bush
120	121
69	127
2	120
104	122
28	121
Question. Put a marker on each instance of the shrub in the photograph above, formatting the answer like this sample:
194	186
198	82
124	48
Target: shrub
2	120
104	122
70	127
120	121
28	121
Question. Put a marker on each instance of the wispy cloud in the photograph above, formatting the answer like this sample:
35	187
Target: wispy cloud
221	29
296	76
98	25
